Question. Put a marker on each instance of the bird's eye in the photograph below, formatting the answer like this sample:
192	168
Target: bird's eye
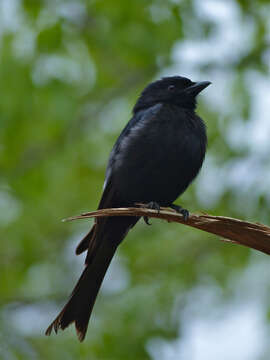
171	87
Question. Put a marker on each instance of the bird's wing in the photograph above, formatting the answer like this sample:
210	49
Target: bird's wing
109	197
133	127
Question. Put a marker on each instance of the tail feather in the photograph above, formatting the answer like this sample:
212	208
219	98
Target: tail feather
80	305
84	243
101	242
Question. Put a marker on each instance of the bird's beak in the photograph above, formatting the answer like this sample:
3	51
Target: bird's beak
196	88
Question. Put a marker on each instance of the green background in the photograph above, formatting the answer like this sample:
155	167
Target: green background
70	72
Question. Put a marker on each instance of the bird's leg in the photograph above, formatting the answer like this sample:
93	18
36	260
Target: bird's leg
180	210
154	206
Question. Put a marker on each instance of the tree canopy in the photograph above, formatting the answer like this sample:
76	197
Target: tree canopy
70	72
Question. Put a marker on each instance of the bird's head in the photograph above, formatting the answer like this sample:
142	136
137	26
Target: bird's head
173	90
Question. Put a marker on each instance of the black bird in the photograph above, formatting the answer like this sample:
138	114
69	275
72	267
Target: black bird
155	158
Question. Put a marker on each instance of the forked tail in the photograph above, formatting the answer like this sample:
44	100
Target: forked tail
80	305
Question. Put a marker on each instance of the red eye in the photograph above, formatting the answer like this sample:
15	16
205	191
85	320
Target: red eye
171	87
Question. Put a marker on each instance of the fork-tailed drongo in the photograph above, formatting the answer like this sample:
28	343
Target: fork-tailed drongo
155	158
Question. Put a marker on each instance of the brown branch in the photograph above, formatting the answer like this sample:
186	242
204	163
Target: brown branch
252	235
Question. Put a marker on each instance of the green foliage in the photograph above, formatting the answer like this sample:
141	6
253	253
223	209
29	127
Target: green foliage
69	74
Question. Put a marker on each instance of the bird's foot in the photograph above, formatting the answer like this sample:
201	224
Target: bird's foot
180	210
154	206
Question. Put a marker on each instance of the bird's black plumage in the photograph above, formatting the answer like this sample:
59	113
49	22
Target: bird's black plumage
156	157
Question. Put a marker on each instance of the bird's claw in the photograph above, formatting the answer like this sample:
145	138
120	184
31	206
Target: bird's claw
185	214
146	220
180	210
153	206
